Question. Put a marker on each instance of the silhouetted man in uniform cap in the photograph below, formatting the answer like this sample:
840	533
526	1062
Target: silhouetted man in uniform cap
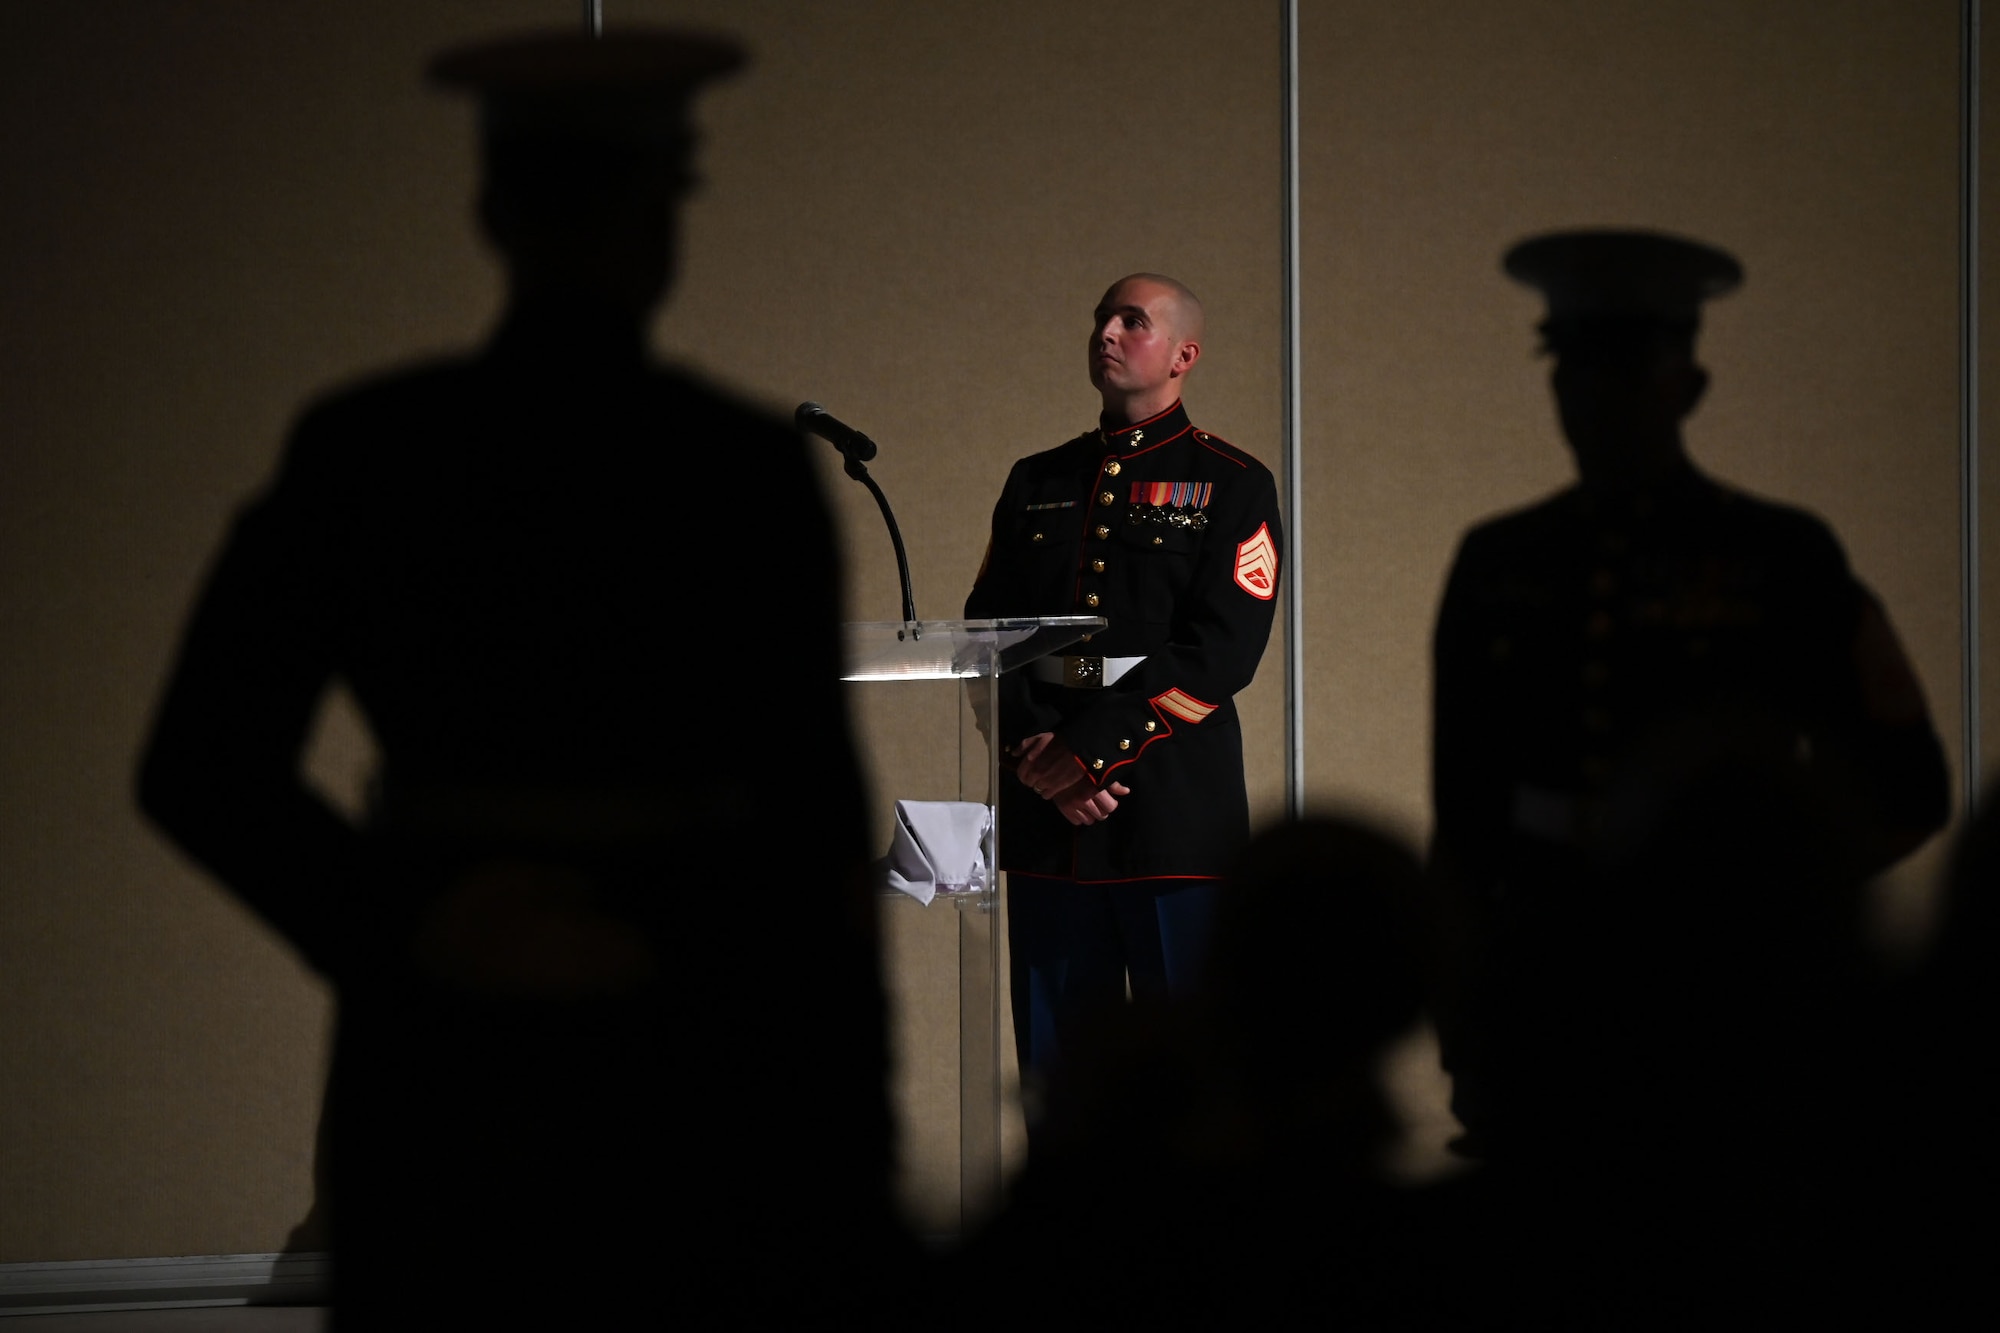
1598	652
578	1068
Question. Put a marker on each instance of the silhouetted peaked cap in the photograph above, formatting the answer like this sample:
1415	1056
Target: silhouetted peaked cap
631	83
1642	275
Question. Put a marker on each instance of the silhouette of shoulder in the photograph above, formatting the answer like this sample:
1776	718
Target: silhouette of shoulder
1069	451
402	423
1712	513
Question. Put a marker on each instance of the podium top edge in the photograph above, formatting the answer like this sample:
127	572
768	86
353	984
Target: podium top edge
1001	623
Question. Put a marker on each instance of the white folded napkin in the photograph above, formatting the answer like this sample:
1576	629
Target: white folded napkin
937	848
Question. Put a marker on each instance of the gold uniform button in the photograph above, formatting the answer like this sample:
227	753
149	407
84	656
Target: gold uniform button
1151	725
1159	541
1097	566
1037	537
1096	765
1086	638
1107	499
1124	745
1112	469
1090	599
1102	532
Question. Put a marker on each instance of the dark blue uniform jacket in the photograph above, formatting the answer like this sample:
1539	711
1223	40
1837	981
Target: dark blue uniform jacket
1172	535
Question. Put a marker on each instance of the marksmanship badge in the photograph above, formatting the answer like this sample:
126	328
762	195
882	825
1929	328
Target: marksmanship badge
1257	564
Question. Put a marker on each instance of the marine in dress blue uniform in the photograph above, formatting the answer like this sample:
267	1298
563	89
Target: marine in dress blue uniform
1131	802
1595	650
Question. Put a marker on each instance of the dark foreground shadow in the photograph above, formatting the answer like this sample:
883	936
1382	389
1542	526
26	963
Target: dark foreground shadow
605	1047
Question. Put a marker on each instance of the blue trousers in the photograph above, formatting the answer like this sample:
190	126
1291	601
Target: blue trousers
1076	946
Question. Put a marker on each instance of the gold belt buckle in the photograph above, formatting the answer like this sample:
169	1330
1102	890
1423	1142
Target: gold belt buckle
1086	673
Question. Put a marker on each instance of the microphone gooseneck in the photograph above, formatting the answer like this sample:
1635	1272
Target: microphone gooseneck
857	449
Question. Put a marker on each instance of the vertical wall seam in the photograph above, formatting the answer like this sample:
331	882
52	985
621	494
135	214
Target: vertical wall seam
1294	595
1968	398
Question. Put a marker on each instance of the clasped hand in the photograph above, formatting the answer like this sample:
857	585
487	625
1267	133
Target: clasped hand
1051	770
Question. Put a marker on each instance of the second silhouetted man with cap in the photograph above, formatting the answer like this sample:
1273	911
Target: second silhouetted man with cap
1600	652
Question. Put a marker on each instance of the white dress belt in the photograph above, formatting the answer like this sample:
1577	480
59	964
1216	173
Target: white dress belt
1082	673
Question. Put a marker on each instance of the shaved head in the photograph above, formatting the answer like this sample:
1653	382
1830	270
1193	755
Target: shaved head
1147	337
1188	320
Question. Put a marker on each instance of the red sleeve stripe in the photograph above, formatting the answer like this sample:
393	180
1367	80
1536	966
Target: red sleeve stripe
1183	705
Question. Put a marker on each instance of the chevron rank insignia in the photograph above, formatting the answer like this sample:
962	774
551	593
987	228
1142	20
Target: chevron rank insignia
1257	564
1183	705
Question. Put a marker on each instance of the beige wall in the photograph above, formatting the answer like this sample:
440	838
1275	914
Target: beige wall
909	220
1815	141
1818	142
214	210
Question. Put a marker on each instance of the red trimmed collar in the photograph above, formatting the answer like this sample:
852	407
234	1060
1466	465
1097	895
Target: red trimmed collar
1161	426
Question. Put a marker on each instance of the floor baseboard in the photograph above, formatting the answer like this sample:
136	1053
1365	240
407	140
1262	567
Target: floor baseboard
160	1284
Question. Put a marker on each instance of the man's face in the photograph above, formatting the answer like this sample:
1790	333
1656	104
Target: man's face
1134	345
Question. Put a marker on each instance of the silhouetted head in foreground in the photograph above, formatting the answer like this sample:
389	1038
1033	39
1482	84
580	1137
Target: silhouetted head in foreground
1963	967
1624	307
587	154
1314	974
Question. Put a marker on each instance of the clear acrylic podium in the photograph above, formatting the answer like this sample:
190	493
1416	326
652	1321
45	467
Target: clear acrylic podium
975	652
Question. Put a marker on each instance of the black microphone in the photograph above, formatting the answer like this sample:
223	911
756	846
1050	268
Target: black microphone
816	420
812	419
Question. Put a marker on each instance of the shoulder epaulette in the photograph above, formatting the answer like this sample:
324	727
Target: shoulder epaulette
1216	444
